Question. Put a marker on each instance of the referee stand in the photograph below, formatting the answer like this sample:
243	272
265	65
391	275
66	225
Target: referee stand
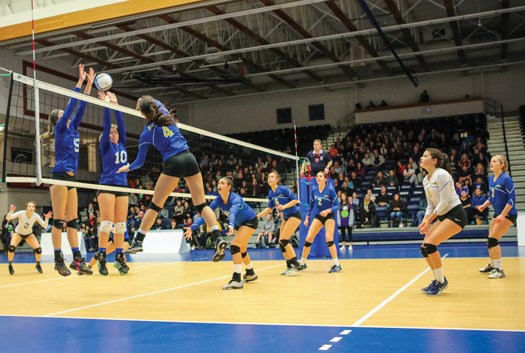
319	248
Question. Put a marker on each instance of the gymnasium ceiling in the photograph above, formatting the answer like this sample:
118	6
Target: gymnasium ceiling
220	49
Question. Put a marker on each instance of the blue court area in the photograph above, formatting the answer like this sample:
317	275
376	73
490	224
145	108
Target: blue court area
65	334
47	335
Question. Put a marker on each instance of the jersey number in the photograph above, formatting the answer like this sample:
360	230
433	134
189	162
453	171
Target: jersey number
76	143
320	202
26	225
121	157
167	132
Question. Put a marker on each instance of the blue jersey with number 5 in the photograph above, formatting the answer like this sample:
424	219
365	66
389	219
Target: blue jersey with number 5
114	155
67	138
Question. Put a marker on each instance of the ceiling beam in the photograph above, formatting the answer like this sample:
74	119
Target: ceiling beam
456	30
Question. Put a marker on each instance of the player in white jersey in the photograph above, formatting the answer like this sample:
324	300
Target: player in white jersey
444	217
24	230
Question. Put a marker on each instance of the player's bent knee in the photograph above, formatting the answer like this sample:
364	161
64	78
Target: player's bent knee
234	249
492	242
329	243
58	223
105	226
307	244
423	251
120	227
11	248
244	254
154	207
38	250
72	224
430	248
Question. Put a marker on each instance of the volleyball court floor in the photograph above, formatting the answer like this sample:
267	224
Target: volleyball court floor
176	305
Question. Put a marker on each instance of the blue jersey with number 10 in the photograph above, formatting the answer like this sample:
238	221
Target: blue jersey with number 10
67	138
113	155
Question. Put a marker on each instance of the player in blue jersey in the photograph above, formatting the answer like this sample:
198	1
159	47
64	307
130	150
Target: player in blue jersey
63	127
162	132
286	202
444	216
241	218
502	197
323	207
113	204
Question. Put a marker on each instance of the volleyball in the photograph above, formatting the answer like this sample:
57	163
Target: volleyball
103	82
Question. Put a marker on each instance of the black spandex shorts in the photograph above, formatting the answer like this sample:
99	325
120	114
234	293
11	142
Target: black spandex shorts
324	219
181	165
251	223
511	218
456	215
295	215
116	193
64	176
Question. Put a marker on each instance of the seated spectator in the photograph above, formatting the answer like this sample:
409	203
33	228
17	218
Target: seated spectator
159	224
479	183
422	209
380	180
410	173
178	211
397	208
453	166
384	198
378	160
400	171
367	160
360	170
367	211
371	195
464	174
479	172
265	237
392	179
464	161
467	206
460	188
477	200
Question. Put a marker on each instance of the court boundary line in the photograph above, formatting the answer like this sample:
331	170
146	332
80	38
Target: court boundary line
152	293
390	298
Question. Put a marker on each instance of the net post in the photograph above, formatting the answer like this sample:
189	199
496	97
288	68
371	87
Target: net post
6	125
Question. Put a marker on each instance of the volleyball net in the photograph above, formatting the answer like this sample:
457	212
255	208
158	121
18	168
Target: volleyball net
24	165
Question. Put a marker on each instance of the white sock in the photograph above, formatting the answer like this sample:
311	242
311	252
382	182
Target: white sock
303	260
214	227
336	261
497	263
491	263
249	266
237	268
440	277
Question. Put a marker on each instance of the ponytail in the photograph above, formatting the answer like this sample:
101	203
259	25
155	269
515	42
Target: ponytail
52	118
443	161
149	108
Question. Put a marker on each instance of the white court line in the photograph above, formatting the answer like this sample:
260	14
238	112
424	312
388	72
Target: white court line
325	347
61	278
336	339
151	293
345	332
389	299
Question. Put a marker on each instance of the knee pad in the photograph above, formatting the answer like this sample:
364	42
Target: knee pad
234	249
58	223
38	250
200	207
72	224
11	248
120	228
307	244
154	207
105	226
493	242
329	243
243	254
283	243
430	248
423	251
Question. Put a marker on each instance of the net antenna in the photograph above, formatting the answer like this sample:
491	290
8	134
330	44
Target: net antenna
37	101
298	177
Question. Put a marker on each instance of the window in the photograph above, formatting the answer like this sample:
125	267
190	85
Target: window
284	115
316	112
19	155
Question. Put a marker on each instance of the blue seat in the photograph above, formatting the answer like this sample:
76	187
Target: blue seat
414	200
381	213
